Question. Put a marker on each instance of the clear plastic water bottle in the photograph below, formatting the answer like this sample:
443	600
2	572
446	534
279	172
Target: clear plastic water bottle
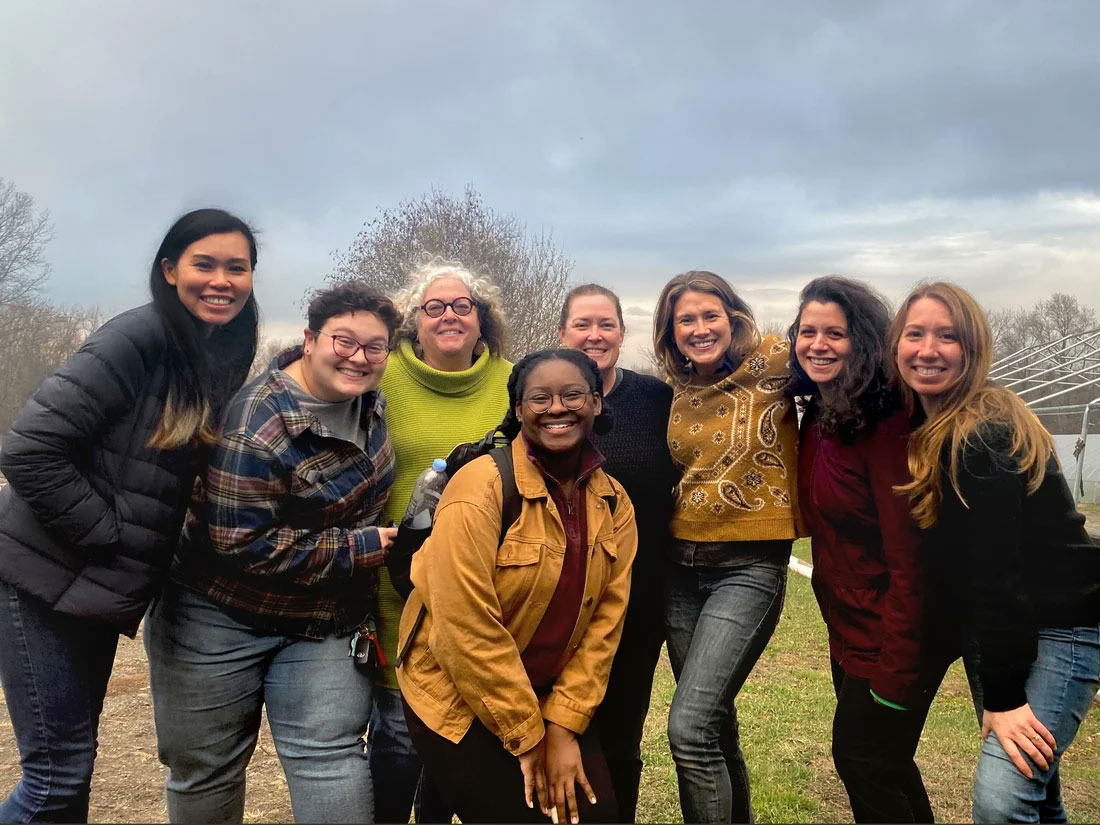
425	496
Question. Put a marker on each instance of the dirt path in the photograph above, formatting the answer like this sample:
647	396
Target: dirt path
127	786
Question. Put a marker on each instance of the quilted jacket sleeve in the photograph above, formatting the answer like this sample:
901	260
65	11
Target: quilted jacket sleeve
69	410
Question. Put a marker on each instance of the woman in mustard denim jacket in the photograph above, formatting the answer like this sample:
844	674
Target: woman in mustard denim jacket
504	674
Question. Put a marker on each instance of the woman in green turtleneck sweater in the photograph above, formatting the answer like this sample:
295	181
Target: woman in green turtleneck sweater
446	383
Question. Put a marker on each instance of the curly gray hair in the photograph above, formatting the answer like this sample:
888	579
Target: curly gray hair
484	292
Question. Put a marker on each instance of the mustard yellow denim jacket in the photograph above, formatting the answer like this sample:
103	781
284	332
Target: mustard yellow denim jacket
484	603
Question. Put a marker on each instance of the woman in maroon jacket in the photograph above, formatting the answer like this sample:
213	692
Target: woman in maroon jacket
868	571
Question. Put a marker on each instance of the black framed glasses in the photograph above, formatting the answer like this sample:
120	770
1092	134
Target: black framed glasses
540	402
375	352
435	307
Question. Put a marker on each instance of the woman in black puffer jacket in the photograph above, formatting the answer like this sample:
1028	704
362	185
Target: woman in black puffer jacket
101	463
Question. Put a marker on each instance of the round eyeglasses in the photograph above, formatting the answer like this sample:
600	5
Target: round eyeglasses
375	352
435	307
541	402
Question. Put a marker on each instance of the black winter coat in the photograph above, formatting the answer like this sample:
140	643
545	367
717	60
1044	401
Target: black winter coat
91	515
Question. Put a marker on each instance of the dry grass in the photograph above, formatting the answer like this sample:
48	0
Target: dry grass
785	711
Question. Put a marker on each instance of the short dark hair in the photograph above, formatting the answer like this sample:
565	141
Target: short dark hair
590	289
352	297
196	391
863	394
517	383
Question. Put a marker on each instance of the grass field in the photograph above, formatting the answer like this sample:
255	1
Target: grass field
785	711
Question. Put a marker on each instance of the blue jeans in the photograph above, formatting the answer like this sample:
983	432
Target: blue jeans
1060	689
54	670
210	675
719	620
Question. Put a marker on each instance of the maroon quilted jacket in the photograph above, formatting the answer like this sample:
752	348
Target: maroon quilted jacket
869	574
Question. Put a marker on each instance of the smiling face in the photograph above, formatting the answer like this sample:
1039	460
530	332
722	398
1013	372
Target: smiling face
449	340
558	429
213	277
593	328
929	357
330	377
822	346
701	329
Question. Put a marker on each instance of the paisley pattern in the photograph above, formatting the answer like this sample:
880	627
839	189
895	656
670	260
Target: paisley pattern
772	384
767	431
733	441
763	458
756	364
732	495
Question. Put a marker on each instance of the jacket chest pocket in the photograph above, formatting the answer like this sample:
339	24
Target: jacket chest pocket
605	553
516	570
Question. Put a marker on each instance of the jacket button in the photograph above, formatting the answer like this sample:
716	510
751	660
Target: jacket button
588	602
599	505
513	744
577	646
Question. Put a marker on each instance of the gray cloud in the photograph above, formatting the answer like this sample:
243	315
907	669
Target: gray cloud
771	144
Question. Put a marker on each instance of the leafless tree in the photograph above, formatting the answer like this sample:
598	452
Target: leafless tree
35	339
1047	321
268	348
531	271
773	326
24	233
650	364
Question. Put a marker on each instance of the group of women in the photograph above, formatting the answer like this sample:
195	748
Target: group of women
514	682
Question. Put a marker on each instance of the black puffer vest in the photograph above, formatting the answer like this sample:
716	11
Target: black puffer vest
91	515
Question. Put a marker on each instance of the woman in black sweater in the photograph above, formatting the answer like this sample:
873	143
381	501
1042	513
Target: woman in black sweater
1018	578
637	456
101	463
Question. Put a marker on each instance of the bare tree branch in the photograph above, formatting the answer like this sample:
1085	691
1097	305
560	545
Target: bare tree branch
24	234
531	271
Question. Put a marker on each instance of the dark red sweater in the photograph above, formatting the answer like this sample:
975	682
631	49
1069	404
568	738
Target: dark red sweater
869	574
542	657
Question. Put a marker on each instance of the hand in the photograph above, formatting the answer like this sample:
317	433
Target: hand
1018	730
564	771
533	765
386	535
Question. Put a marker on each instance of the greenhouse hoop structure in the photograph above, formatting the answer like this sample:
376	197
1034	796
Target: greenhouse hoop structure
1062	378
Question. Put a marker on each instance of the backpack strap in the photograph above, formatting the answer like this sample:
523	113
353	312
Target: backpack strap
511	506
511	500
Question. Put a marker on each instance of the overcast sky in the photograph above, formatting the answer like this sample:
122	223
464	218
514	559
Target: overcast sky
770	142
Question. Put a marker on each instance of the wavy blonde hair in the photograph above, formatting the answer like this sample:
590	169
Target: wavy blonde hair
744	336
487	295
963	408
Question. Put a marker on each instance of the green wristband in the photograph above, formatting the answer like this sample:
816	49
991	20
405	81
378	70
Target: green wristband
886	702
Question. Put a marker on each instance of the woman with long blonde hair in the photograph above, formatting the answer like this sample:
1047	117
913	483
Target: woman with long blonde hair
1017	574
733	432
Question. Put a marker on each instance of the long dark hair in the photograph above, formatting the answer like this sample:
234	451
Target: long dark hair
517	383
862	394
197	393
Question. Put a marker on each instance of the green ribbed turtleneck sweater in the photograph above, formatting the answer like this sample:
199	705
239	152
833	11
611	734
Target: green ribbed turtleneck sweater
428	412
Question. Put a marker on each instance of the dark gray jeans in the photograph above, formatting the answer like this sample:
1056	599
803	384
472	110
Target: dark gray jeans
719	619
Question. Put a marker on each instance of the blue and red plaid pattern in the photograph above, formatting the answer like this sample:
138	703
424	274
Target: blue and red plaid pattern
284	534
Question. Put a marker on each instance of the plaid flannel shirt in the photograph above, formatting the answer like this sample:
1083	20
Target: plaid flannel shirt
283	535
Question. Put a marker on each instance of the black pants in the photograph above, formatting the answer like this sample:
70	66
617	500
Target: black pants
620	719
482	782
873	748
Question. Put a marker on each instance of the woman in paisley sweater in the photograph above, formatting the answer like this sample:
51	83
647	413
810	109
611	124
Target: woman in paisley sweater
733	432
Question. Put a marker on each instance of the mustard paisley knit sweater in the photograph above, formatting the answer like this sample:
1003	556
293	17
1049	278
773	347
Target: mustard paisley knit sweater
736	441
428	412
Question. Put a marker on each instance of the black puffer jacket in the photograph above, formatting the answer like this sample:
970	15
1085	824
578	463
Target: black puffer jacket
91	515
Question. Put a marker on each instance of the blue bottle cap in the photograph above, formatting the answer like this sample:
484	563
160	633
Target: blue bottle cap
439	465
